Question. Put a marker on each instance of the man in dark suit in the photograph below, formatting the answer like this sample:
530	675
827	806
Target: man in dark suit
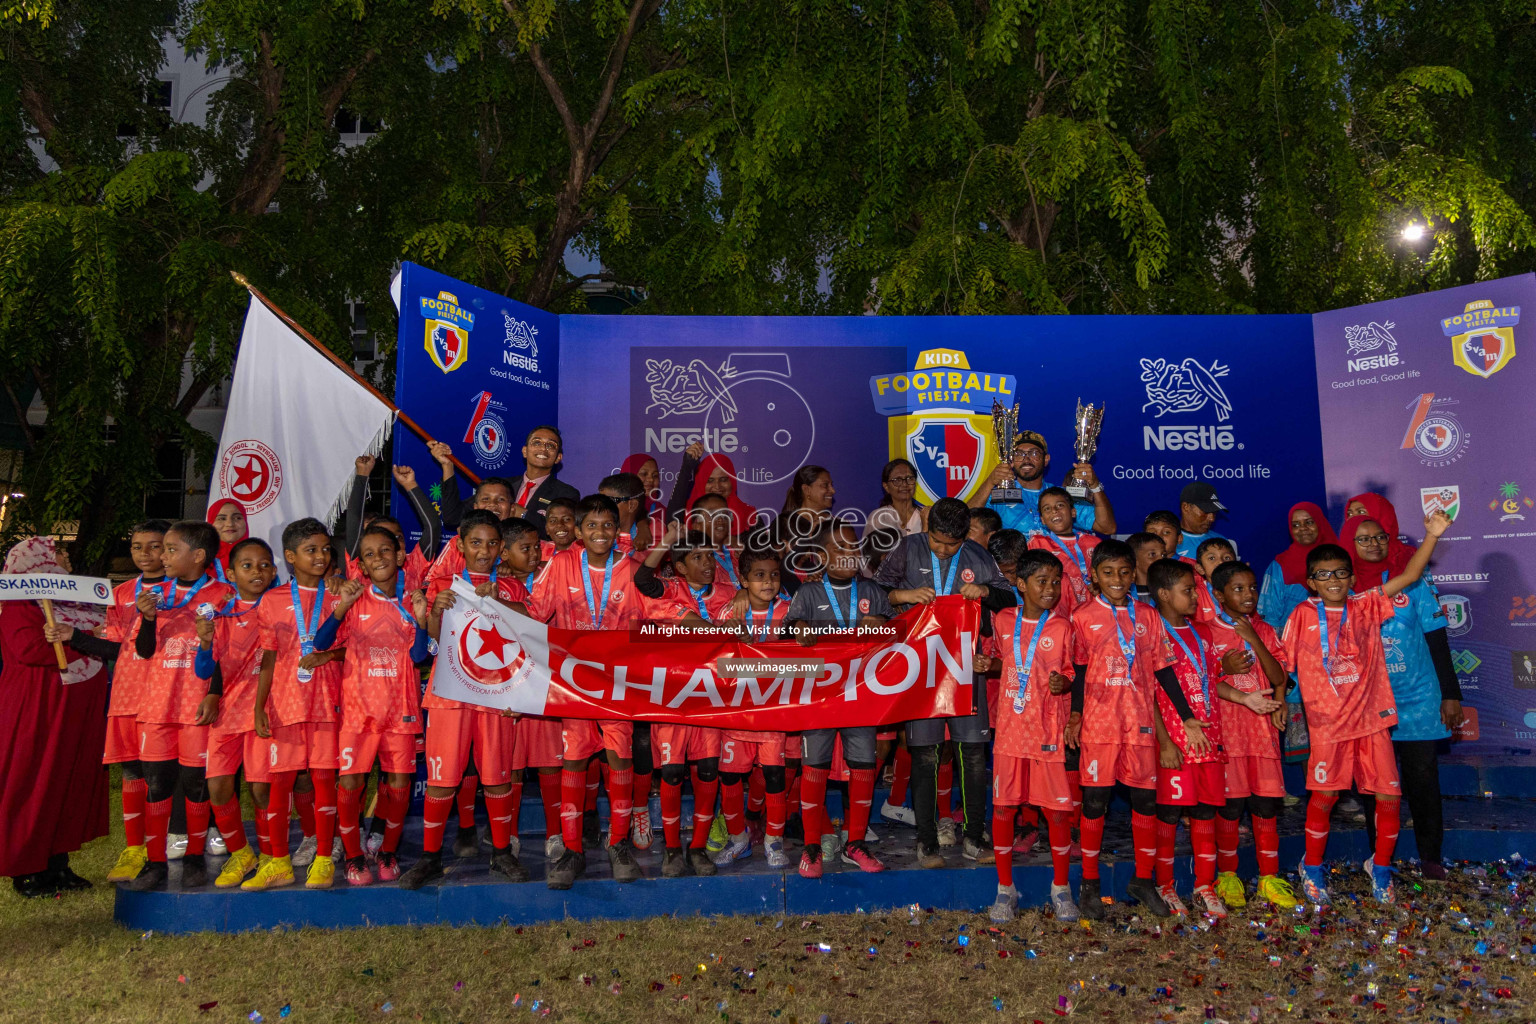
528	495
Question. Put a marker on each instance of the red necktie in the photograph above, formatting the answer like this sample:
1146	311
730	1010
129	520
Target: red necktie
523	495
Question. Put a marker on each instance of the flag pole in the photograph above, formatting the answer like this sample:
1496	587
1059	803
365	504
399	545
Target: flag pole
346	368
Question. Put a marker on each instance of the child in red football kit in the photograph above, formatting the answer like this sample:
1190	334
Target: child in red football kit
1193	777
1033	645
539	740
455	729
1148	548
1120	659
591	586
1212	552
1073	547
1333	645
560	527
229	660
628	493
1252	740
379	624
414	563
169	733
298	699
145	546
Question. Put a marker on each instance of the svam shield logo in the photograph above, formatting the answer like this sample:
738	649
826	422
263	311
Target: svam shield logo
447	344
1484	352
947	454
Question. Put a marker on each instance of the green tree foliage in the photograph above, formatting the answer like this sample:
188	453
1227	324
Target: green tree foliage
792	156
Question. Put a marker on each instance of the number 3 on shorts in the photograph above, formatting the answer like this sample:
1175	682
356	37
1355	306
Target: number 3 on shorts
1093	770
1320	773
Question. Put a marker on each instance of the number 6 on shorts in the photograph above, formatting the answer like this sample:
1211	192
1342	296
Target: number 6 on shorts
1320	773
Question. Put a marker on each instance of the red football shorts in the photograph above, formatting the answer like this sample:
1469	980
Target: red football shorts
396	752
1021	782
740	755
1104	764
1251	775
160	741
228	752
302	745
122	739
679	744
1203	783
453	733
540	743
583	737
1366	762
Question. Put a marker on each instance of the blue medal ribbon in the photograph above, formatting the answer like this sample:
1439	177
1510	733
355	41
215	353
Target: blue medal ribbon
1197	658
853	601
168	602
767	621
593	607
698	599
1025	664
465	572
1322	636
308	630
399	602
949	580
1127	646
730	570
1075	550
225	613
1226	620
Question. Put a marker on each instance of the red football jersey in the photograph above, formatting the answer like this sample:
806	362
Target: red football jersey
1076	556
1036	731
1119	699
1206	612
1206	708
1351	696
237	649
380	688
508	588
715	600
1244	733
560	597
291	701
768	622
122	627
416	567
172	690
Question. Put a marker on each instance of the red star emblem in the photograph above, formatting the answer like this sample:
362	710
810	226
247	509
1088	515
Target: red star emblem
491	643
249	476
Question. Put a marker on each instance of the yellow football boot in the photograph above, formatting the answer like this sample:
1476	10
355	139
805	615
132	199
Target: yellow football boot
129	863
273	874
241	863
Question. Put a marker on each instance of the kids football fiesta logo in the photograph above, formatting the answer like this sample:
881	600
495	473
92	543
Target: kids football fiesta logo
447	330
1482	337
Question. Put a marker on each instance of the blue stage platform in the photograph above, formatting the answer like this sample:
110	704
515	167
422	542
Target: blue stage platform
1476	829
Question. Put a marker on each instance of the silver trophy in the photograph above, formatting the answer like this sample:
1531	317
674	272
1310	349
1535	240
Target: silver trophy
1085	429
1005	428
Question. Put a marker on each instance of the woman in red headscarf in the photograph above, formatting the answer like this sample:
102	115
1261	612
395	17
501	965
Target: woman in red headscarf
702	474
1380	509
1285	581
53	729
227	516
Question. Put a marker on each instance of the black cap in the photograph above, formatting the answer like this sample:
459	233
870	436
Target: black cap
1203	496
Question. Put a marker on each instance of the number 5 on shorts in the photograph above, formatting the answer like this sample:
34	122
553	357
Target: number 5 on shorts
346	759
1320	773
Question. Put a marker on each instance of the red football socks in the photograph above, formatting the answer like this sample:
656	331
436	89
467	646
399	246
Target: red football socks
573	804
621	783
198	814
393	803
466	801
672	814
1167	832
1144	837
757	790
349	804
325	811
1226	843
1002	841
499	811
861	793
1202	838
135	792
263	844
157	820
1059	829
640	792
776	806
703	809
549	793
281	789
813	804
434	819
594	782
732	806
304	803
1091	838
1266	845
1388	821
900	773
1319	808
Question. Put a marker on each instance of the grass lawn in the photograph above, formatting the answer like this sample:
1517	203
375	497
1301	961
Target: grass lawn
1460	951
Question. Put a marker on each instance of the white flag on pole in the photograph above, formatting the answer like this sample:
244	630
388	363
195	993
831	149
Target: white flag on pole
296	424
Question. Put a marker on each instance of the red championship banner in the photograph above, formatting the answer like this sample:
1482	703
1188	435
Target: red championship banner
917	666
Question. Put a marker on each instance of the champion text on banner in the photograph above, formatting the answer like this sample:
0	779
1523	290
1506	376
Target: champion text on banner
494	657
296	424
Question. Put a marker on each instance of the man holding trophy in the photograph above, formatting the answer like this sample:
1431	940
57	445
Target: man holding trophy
1013	489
